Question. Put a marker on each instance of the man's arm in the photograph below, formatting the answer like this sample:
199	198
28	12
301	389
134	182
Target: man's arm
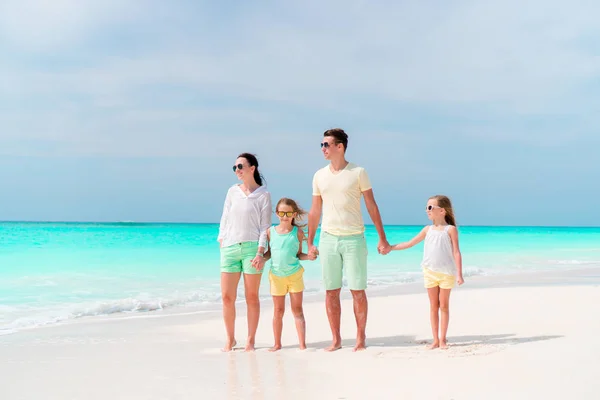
314	215
373	209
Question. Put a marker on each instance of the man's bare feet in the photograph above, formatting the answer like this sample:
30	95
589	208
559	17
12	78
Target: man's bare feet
229	346
433	345
360	346
275	348
334	346
443	345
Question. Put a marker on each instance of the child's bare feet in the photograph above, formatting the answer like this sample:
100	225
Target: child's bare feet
443	345
249	346
229	346
433	345
275	348
302	346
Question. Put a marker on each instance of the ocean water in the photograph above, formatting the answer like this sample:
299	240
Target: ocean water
52	272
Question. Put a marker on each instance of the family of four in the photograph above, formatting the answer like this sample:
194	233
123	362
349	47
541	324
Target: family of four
248	240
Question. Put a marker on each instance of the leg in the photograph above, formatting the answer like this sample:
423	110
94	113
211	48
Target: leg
361	306
251	286
434	306
334	314
278	311
331	262
354	255
296	300
444	316
229	284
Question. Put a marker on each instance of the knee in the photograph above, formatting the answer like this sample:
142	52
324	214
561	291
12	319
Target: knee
434	306
444	307
333	294
298	312
278	312
228	299
251	298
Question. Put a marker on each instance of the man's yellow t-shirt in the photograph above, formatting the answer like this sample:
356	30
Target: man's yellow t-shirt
341	194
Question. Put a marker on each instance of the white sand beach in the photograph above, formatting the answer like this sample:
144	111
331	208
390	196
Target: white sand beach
517	342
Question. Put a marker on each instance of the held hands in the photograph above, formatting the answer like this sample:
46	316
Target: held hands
313	252
258	262
384	247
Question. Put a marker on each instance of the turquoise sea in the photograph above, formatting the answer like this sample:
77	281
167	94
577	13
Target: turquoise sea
52	272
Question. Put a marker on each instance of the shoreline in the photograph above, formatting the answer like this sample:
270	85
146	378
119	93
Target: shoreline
541	278
505	342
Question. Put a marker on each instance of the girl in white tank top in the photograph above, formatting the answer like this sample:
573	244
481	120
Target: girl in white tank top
442	263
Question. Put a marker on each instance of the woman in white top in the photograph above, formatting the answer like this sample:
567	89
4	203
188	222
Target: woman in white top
442	263
242	238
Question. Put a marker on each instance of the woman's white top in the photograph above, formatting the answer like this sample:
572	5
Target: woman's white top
437	254
245	218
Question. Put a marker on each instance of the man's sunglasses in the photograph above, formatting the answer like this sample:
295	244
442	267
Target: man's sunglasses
284	213
429	208
239	166
327	145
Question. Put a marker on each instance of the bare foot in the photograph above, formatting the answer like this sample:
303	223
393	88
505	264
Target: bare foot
334	346
360	346
302	346
249	346
433	345
275	348
229	346
443	345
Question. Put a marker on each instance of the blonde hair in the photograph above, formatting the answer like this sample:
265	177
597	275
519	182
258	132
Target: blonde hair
300	213
446	204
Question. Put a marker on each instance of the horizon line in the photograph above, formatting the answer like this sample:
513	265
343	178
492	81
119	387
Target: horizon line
125	222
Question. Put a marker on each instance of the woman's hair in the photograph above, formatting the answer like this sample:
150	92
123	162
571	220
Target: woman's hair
446	204
253	161
300	213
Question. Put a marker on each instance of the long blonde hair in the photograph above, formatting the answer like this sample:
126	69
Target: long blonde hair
446	204
300	213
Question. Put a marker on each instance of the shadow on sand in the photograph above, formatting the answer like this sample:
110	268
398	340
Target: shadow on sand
454	341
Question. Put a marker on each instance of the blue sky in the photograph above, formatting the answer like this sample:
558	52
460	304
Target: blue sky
114	110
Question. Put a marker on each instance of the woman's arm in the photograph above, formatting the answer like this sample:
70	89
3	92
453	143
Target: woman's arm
417	239
224	218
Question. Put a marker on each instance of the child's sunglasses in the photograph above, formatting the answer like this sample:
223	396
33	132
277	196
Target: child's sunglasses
239	166
429	208
284	213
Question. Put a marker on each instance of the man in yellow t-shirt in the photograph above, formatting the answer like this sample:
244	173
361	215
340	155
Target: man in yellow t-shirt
337	191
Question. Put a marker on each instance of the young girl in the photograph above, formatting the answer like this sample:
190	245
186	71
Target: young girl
285	251
442	263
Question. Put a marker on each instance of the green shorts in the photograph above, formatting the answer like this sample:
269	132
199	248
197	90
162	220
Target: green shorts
238	258
338	253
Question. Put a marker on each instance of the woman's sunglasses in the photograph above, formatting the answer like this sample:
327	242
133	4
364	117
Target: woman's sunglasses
239	166
429	208
285	213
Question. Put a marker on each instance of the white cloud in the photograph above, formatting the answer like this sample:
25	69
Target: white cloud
502	59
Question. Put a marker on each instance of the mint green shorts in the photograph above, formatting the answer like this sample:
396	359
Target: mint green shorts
238	258
343	253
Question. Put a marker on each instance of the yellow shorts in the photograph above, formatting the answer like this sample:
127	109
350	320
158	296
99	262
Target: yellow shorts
433	279
282	285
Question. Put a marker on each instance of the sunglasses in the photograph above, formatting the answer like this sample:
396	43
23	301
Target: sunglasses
239	166
327	145
285	213
429	208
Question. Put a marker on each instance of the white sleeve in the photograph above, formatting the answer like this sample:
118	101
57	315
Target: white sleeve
224	216
265	221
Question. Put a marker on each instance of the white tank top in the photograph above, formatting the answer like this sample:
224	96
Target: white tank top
437	254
